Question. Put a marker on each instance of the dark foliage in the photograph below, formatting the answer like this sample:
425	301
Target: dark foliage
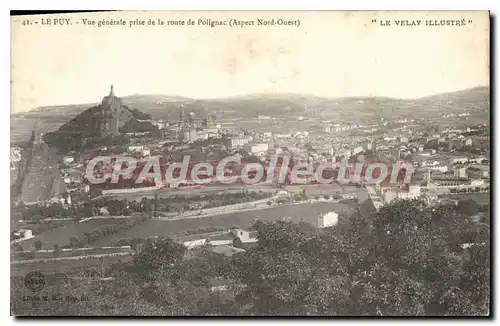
405	260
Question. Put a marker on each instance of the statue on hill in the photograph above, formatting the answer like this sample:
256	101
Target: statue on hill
99	124
114	115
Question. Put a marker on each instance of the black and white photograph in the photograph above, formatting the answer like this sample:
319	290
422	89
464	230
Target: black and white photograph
250	163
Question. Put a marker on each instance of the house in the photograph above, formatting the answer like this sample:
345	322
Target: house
245	236
459	160
15	154
414	191
440	168
391	193
193	241
238	142
327	220
275	151
283	194
72	176
68	160
427	152
22	234
222	239
477	182
135	148
259	148
476	172
193	135
460	172
349	196
478	160
220	284
65	201
357	150
346	153
160	124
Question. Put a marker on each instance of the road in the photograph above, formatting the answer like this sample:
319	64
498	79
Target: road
235	188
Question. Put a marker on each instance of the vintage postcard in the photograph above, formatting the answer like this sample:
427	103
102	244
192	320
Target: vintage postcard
263	163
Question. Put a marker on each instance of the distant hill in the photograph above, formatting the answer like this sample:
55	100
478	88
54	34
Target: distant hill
466	95
276	105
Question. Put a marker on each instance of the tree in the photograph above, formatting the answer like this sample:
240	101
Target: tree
468	207
303	193
157	258
37	244
418	259
57	250
406	259
73	241
17	248
277	273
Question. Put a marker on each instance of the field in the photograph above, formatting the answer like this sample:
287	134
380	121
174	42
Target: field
20	256
61	235
296	213
40	227
65	265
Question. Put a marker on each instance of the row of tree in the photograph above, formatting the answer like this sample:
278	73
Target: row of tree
176	203
88	238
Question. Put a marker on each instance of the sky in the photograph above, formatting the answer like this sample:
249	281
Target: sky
330	54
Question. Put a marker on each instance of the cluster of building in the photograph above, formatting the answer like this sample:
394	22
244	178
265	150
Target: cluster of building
226	238
440	155
244	238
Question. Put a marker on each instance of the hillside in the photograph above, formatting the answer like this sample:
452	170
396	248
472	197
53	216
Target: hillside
99	125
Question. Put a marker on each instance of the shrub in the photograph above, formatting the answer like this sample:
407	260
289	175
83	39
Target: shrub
37	244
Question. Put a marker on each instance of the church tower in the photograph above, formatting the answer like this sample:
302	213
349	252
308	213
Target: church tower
36	137
182	117
33	134
113	114
111	98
